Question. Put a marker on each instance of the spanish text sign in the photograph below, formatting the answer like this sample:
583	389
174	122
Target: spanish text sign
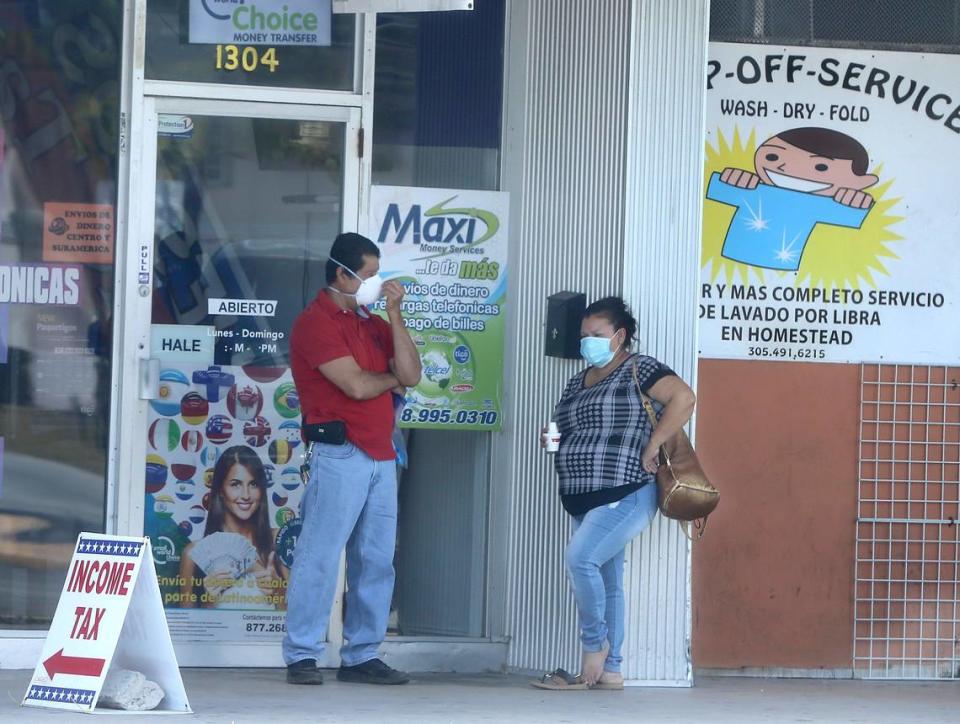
449	250
78	233
109	612
830	206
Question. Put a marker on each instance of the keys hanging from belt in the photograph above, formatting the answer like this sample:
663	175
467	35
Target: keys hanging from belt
305	468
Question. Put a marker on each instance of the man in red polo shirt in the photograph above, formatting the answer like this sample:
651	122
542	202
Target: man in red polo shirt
346	364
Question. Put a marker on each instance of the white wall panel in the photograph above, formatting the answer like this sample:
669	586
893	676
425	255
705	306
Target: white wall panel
663	226
564	164
577	177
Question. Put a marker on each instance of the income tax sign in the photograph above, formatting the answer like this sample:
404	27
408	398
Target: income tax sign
109	611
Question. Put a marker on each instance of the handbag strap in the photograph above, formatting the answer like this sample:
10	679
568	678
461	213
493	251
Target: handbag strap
685	526
648	406
699	525
646	401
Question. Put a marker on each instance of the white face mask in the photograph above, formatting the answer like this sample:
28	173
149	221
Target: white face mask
369	291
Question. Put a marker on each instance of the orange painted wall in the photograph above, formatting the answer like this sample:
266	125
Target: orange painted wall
773	577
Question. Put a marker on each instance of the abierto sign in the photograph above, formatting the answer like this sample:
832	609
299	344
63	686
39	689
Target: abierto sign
110	612
260	22
830	206
242	307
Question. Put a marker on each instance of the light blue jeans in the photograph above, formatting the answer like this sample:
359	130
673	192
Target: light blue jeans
594	562
350	501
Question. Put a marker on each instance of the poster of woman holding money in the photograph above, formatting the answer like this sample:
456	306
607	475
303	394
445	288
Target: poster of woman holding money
235	565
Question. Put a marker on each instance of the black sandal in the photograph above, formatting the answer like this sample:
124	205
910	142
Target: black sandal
560	680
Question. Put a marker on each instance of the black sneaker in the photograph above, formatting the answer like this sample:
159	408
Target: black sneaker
373	671
304	672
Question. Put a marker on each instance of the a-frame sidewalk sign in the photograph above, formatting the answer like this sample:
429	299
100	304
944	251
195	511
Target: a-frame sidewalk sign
110	614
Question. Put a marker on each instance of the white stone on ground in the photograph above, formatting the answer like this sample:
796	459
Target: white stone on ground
129	690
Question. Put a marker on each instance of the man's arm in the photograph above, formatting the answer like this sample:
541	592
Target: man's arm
356	383
406	360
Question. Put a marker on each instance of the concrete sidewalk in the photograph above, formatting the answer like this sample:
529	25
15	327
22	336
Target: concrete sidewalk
223	696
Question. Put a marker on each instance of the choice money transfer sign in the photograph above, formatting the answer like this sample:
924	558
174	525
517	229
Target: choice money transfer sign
266	22
830	205
449	250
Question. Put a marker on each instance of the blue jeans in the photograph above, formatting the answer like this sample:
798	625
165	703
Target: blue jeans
594	562
350	500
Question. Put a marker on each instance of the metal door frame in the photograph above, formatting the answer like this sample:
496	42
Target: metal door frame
140	97
135	320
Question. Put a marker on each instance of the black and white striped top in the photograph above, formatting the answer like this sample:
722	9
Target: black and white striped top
603	430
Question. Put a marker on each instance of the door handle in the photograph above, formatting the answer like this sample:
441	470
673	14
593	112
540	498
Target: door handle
149	378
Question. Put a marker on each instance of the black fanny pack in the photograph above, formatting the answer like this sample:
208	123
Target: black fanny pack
331	433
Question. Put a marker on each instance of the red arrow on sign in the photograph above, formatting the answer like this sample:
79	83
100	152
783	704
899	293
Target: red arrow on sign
75	665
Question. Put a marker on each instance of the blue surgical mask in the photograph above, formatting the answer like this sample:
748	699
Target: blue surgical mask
596	350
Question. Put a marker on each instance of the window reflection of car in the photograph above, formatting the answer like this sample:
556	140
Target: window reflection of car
16	381
44	506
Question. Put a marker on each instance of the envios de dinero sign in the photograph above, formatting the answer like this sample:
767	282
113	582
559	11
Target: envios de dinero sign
260	22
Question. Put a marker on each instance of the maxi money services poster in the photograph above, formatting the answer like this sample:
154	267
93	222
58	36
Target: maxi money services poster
830	209
449	250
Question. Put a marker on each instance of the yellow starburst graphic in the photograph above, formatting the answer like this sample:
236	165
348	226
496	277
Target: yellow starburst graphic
834	256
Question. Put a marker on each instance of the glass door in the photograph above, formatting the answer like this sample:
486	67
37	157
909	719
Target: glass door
247	199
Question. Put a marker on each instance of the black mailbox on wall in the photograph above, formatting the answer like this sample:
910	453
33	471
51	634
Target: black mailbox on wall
564	314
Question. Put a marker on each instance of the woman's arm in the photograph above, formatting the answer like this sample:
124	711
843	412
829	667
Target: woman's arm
678	402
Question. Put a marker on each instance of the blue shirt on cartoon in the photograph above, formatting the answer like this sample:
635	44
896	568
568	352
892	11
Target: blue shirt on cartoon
772	225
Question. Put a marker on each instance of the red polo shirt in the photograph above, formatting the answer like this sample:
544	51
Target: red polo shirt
324	332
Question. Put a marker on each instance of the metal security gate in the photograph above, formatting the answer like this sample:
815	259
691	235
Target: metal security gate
907	614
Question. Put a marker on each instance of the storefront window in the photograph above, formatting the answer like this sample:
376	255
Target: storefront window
437	117
173	53
933	25
59	98
438	94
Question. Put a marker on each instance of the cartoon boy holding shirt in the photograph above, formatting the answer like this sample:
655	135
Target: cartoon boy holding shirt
804	177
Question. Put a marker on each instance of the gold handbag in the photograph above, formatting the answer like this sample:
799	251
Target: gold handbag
683	491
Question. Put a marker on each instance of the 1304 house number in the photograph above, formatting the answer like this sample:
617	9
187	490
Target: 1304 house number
248	58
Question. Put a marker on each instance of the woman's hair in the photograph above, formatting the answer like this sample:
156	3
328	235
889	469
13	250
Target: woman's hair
247	458
615	311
